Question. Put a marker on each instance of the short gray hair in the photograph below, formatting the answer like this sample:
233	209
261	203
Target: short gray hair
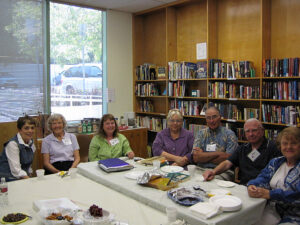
56	116
173	112
254	120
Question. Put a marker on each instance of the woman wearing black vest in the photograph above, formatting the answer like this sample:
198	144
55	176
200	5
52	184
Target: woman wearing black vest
17	155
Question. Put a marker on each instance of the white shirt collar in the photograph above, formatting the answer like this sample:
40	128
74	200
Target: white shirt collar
20	139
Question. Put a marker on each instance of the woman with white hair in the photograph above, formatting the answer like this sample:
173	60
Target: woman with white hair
174	143
60	149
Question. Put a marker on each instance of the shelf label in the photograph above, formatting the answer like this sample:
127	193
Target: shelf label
231	78
233	99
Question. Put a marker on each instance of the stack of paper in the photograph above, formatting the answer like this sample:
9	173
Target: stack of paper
114	164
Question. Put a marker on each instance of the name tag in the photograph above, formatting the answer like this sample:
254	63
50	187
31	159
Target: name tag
253	155
114	141
211	147
67	141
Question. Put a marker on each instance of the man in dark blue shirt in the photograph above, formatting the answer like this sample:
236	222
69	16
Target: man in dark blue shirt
250	157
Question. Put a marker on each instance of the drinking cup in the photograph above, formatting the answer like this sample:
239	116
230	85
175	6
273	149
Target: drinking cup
73	172
171	214
191	169
156	164
40	173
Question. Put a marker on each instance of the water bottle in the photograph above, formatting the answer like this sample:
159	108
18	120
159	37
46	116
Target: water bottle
4	192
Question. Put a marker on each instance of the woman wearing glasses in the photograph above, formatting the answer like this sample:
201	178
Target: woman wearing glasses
174	143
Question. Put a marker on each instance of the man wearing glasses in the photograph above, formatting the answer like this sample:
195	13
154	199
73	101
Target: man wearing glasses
250	157
214	144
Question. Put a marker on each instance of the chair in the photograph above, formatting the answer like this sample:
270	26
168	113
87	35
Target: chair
84	141
236	175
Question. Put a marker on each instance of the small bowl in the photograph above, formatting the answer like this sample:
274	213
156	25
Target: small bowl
90	220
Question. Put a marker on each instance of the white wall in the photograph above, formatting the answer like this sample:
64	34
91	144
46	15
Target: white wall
119	61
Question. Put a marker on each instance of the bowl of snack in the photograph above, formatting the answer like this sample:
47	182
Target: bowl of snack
58	219
96	216
14	218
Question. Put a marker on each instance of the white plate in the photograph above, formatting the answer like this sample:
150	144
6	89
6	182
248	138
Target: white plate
223	183
104	220
171	169
215	192
227	202
134	174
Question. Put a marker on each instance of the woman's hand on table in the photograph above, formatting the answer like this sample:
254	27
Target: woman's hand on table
181	161
130	155
258	192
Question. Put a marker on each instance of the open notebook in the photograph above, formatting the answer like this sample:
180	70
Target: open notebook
114	165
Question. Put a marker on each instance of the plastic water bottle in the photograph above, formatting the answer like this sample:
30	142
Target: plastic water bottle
4	192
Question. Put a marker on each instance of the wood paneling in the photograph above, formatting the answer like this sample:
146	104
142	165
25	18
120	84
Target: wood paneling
239	31
191	29
285	28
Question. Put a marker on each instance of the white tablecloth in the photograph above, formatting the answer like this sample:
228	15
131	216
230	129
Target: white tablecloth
250	212
83	192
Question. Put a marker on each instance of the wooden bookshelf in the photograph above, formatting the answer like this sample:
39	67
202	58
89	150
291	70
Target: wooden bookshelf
244	30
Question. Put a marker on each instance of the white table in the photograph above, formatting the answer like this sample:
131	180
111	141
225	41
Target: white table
251	210
83	192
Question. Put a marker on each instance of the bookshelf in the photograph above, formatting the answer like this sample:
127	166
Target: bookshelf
234	31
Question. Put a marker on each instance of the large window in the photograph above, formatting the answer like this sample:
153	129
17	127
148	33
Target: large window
21	59
76	55
76	61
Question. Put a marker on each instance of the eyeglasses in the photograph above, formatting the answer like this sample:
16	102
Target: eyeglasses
175	121
212	117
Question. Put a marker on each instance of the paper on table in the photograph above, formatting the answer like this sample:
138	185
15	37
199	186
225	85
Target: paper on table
54	203
205	210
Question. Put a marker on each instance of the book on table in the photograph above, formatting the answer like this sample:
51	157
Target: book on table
114	165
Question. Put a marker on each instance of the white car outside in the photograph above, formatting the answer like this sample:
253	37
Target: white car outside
80	79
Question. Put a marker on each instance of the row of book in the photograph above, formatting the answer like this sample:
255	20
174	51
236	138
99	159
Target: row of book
281	114
152	123
281	90
147	89
226	90
146	71
235	112
287	67
187	108
241	69
177	88
187	70
195	128
146	106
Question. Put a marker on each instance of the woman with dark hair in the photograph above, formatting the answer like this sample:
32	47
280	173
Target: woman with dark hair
17	155
108	143
279	182
60	149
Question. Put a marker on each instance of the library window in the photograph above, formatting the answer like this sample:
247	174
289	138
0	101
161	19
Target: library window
74	86
76	57
22	79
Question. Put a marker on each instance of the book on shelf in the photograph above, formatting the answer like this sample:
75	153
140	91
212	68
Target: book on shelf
161	72
187	108
147	89
281	90
288	115
182	70
152	123
201	70
114	165
147	71
195	128
287	67
233	70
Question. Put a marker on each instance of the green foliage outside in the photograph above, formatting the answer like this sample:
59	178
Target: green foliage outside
67	36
